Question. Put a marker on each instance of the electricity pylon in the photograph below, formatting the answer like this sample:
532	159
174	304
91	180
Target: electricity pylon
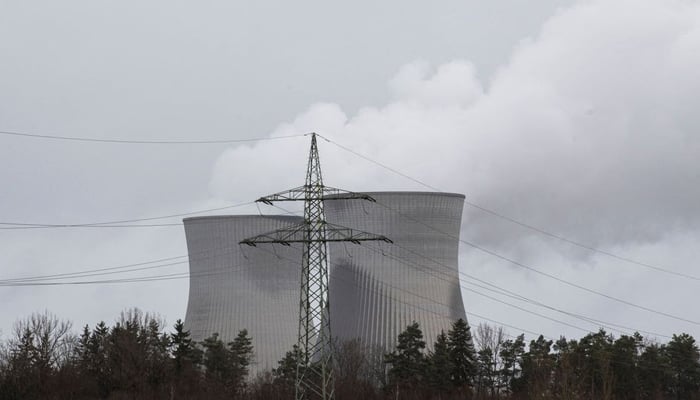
314	377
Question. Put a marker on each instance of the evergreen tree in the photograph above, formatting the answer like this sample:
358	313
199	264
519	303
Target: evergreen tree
22	373
484	372
537	369
625	366
408	363
566	382
99	363
216	360
654	372
286	371
462	355
186	359
156	345
440	365
683	356
241	355
595	355
185	354
511	357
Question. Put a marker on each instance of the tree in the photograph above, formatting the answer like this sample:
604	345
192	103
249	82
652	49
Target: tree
185	354
537	368
93	360
408	361
683	356
488	345
654	372
286	371
511	358
357	370
566	380
216	363
227	367
440	365
22	373
484	381
462	355
596	371
186	359
42	344
625	366
240	357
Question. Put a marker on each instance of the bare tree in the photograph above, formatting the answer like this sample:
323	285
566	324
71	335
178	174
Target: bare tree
41	344
358	369
488	340
52	339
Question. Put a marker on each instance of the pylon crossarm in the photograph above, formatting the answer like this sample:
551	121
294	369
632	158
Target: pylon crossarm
298	234
302	193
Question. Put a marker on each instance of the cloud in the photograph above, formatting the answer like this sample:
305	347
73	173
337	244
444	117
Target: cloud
588	131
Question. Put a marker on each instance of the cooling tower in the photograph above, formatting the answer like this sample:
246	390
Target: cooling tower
235	287
377	289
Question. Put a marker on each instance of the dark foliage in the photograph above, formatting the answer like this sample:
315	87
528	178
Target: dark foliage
136	359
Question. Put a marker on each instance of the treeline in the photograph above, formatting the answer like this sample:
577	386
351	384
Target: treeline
136	358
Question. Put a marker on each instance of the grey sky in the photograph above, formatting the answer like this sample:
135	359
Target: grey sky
547	112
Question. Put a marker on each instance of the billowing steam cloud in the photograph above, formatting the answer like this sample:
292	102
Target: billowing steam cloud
590	130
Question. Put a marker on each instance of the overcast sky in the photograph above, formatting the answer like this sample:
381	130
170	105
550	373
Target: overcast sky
578	118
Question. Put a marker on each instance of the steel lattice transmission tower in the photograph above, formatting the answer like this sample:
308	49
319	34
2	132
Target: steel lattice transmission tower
315	368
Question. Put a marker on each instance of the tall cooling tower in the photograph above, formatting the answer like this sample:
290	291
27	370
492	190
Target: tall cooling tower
377	289
236	287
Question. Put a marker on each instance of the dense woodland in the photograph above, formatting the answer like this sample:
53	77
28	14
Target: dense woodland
138	358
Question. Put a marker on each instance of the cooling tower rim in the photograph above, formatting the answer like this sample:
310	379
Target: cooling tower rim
290	218
411	193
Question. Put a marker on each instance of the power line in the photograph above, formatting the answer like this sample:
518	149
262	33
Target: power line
380	293
16	225
499	290
52	226
127	141
118	224
36	281
125	268
87	272
554	277
41	280
24	281
508	293
424	269
241	268
518	222
513	295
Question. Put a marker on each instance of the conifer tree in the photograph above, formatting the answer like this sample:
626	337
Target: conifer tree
440	365
185	354
241	355
216	360
538	366
408	361
462	355
683	357
511	356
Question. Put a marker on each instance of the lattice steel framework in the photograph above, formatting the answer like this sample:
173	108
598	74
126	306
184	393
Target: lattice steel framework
315	368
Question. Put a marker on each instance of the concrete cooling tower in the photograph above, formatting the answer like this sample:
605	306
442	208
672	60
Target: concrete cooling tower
235	287
376	289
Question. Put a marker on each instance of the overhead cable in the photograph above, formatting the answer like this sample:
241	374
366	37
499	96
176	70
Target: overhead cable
518	222
129	141
546	274
10	224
